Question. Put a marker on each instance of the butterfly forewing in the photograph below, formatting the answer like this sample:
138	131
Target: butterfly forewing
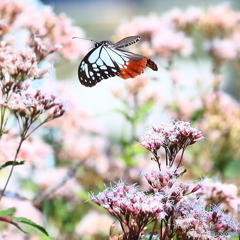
127	41
96	66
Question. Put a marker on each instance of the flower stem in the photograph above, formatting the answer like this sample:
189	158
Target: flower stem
14	162
154	227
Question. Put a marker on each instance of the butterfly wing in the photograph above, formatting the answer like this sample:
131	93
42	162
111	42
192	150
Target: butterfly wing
105	61
131	64
127	41
96	66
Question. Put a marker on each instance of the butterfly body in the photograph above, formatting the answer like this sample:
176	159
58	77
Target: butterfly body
106	60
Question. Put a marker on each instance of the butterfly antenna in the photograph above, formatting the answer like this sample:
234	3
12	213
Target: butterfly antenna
85	39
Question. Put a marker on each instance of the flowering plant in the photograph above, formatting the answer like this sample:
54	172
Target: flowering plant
24	106
166	206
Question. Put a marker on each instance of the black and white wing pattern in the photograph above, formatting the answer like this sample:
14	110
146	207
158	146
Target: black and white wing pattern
96	66
107	60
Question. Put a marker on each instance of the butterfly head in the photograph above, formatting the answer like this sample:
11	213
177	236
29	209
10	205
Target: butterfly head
104	43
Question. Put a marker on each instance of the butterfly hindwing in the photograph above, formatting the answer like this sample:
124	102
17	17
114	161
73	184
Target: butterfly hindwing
96	66
132	64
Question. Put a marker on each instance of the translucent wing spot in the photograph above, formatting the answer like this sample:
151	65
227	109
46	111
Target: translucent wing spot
94	56
86	70
99	62
117	58
107	59
103	67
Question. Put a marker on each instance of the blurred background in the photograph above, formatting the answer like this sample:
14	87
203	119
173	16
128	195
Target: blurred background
100	21
196	45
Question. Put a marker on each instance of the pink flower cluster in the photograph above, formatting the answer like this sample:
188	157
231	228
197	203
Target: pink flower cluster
193	221
166	202
221	32
167	183
184	20
157	36
55	31
47	32
221	49
29	105
158	32
9	14
172	136
222	194
17	66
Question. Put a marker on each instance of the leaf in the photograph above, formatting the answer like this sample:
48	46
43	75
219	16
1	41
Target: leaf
197	114
3	132
29	222
9	220
180	174
10	163
7	212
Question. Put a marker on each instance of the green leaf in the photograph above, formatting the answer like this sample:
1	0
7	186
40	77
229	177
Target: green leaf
29	222
7	212
10	163
180	174
197	114
9	220
3	132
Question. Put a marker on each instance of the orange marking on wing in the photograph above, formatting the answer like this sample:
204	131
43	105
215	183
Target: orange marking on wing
133	69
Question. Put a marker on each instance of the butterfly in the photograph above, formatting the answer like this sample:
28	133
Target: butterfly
106	60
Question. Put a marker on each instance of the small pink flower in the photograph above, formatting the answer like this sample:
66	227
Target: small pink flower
53	31
30	104
172	136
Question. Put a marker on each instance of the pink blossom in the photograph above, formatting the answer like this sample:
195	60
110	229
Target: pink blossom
172	136
166	200
194	222
184	20
144	26
9	13
165	47
221	49
17	66
56	30
222	194
213	19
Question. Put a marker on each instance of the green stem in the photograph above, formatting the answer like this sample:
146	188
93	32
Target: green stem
11	171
